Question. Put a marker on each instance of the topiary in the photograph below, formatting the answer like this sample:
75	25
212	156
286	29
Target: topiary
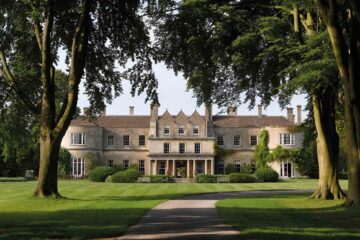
129	175
241	178
99	174
204	178
266	174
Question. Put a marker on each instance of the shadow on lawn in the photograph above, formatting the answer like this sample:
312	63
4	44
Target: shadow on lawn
295	224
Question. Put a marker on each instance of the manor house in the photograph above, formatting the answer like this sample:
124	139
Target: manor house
178	145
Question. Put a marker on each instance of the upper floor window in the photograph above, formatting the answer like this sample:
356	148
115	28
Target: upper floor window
167	130
253	140
220	140
287	139
111	163
196	129
197	147
126	140
142	140
166	147
237	165
141	167
181	147
237	141
110	140
181	130
78	139
125	164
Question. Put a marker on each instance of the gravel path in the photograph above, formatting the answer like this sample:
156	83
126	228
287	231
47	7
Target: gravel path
191	217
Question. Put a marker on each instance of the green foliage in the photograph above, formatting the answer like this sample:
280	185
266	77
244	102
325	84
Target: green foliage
64	162
230	168
262	152
266	174
127	176
241	178
221	152
99	174
12	179
246	168
205	178
160	179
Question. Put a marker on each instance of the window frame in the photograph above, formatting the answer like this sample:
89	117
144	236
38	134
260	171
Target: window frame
181	127
110	162
142	142
166	150
113	141
82	139
141	168
291	139
195	148
237	164
126	163
162	168
197	128
218	137
166	130
184	144
251	140
237	140
128	140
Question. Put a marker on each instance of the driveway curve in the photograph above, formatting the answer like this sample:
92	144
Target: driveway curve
191	217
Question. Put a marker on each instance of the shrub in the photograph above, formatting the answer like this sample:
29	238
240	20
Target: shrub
99	174
204	178
230	168
241	178
129	175
160	179
246	168
266	174
12	179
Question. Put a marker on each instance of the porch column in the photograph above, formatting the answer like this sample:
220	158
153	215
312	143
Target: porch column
166	167
194	167
156	167
212	166
174	168
206	169
187	168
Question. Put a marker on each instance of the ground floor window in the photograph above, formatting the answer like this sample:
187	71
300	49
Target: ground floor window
126	164
199	167
220	167
78	167
111	163
162	167
286	169
141	167
237	166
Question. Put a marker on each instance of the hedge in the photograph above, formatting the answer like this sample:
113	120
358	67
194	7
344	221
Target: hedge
204	178
266	174
160	179
12	179
99	174
241	178
127	176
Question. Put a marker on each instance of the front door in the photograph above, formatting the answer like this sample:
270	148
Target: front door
180	169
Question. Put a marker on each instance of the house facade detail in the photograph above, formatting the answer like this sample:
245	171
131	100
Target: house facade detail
177	145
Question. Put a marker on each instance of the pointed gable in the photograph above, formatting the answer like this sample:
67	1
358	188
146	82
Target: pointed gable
196	118
166	117
181	118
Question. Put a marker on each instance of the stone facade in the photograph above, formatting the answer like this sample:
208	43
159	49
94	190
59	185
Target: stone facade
179	145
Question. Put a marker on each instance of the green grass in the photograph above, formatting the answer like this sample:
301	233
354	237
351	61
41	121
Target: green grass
290	217
98	209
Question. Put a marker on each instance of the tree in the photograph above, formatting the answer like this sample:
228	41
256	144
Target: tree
261	153
96	36
342	21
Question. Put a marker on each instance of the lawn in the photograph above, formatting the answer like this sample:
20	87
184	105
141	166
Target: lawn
98	209
290	217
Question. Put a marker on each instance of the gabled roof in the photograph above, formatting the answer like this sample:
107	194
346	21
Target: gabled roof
250	121
115	122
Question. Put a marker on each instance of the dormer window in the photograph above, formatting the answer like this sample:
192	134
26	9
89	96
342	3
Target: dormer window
196	129
181	130
77	139
167	130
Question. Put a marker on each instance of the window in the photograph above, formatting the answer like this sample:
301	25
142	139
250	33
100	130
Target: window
141	167
197	147
126	140
181	130
199	167
111	163
125	164
110	140
77	167
237	165
162	167
196	129
220	140
253	140
166	147
220	167
77	139
142	140
167	130
181	147
237	141
287	139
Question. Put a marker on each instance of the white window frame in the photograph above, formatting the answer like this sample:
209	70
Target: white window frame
180	147
200	165
239	141
128	140
141	167
166	129
291	139
166	150
196	129
220	165
109	143
199	144
182	128
222	140
82	138
77	167
162	168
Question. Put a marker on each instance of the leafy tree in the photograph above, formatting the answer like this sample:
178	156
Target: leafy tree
261	153
96	36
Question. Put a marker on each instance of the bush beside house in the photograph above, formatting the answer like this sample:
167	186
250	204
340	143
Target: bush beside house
266	174
99	174
129	175
205	178
241	178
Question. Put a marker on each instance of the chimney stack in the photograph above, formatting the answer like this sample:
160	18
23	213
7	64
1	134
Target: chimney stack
260	110
131	110
232	111
208	112
154	110
298	114
290	114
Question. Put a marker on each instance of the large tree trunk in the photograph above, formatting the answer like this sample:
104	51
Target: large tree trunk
327	146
